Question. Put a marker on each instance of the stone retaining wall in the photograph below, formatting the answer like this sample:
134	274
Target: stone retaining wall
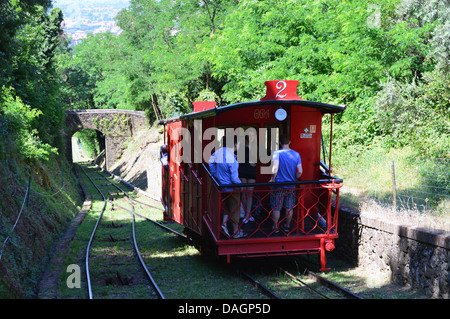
411	256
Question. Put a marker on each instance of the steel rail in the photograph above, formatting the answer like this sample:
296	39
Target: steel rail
260	286
146	204
141	261
294	278
132	187
125	193
153	221
164	227
149	276
142	216
91	296
325	282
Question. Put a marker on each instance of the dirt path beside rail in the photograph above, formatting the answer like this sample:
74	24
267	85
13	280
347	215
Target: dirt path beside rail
48	286
139	165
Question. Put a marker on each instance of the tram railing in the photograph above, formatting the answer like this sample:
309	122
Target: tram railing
314	208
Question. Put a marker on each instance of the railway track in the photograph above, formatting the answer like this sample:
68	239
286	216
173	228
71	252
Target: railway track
308	285
323	282
184	238
298	281
120	278
113	199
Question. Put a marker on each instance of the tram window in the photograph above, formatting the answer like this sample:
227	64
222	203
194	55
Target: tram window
220	132
248	134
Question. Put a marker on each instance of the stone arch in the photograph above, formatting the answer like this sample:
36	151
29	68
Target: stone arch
116	126
99	136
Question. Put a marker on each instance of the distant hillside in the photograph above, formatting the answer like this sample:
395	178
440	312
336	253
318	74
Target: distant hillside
89	16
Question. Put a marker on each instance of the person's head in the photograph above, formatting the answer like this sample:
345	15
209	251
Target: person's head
227	143
284	140
163	149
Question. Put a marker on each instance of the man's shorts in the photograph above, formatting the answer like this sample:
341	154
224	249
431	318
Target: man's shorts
284	198
231	204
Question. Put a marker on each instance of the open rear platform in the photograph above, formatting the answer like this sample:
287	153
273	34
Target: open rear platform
313	228
264	228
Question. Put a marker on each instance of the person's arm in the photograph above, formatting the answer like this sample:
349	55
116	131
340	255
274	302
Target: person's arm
212	164
299	168
275	166
234	169
299	171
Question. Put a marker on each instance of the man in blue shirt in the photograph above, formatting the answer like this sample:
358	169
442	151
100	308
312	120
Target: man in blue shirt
224	166
286	167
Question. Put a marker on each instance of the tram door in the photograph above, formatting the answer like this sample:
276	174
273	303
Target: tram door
306	139
174	134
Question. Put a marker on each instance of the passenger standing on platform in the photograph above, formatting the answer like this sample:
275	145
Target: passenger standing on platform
224	166
247	174
163	156
286	167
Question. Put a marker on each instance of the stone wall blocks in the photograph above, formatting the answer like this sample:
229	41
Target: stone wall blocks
412	256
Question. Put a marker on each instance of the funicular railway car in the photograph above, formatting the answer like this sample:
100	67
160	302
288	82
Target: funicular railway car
193	196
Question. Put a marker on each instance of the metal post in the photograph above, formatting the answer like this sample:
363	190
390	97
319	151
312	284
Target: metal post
331	142
394	186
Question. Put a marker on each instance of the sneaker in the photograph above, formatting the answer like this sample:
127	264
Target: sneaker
250	219
225	230
239	234
285	228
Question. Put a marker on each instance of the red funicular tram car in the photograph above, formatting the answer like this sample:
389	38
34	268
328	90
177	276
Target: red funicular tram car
194	198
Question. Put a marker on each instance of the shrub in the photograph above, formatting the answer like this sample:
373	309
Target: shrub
16	129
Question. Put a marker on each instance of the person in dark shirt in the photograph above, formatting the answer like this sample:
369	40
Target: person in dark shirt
164	156
247	174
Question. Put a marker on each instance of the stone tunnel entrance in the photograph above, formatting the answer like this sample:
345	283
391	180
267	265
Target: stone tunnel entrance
116	126
89	144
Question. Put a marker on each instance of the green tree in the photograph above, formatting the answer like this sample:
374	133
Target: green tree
375	57
30	39
168	40
16	129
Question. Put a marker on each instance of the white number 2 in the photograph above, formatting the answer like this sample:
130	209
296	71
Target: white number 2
281	86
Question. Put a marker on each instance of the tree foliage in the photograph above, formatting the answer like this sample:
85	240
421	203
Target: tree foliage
387	60
30	40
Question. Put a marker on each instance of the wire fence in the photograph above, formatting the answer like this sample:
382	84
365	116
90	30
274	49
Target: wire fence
26	200
420	184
